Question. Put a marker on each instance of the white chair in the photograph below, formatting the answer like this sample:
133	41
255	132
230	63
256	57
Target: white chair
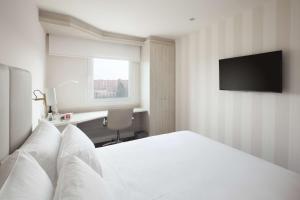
117	120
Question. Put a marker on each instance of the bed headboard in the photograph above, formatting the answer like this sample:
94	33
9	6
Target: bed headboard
15	108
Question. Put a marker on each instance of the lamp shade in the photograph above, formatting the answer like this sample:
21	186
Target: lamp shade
51	97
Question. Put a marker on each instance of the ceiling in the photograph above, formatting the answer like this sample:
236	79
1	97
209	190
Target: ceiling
143	18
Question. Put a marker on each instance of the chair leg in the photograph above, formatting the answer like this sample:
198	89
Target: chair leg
109	143
118	136
118	140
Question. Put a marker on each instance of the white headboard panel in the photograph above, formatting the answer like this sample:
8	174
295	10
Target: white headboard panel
15	108
4	111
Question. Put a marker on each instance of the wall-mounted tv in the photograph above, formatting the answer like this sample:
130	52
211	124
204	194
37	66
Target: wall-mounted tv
259	72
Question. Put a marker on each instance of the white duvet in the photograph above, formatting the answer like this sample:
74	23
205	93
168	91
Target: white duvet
187	166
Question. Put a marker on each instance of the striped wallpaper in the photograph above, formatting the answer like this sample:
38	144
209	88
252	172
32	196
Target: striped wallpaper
266	125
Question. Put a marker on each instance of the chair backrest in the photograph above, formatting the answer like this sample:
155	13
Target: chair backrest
118	119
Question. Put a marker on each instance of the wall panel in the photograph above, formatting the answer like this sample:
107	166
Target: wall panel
22	40
263	124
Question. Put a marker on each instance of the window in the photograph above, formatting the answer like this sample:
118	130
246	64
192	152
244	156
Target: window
110	78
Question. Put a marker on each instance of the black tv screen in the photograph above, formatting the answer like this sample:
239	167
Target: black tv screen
260	72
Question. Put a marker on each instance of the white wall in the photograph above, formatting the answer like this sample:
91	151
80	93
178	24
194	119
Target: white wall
264	124
22	42
145	82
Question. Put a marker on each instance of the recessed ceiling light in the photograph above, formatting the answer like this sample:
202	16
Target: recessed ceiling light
192	19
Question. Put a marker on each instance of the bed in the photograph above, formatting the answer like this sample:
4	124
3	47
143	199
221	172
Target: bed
174	166
186	165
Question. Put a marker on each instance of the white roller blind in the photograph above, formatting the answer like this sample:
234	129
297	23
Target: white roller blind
84	48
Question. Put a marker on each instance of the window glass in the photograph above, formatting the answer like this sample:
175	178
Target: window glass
110	78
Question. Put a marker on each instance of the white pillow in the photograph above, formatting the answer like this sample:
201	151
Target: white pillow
6	166
43	144
26	180
77	180
76	143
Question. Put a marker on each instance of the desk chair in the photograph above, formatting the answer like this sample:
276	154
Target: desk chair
118	119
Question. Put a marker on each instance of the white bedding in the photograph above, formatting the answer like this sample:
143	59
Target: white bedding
187	166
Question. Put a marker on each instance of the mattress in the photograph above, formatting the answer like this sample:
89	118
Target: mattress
187	166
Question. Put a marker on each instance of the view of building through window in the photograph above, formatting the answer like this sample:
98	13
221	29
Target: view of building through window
110	78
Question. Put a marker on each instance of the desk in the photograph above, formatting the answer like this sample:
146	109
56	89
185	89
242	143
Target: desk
86	116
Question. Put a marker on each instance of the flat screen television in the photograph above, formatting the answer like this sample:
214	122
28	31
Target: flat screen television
260	72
